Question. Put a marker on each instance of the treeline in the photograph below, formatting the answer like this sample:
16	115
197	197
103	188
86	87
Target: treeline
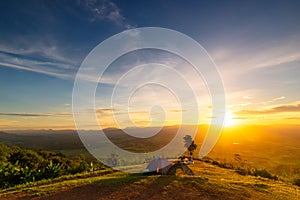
20	165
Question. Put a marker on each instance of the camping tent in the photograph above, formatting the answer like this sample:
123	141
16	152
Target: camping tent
159	165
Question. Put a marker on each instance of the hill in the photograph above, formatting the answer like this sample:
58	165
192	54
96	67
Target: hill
275	148
209	182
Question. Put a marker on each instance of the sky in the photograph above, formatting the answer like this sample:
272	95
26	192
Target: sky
254	44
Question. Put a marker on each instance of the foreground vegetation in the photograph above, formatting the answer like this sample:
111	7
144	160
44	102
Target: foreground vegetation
20	165
240	168
209	182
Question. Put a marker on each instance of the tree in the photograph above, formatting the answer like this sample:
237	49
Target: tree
4	152
25	158
189	144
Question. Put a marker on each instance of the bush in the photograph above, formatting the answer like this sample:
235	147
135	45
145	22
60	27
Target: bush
264	173
221	164
297	182
25	158
226	165
243	171
4	151
215	163
20	165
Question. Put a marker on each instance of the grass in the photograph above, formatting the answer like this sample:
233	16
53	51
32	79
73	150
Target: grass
209	181
67	180
248	185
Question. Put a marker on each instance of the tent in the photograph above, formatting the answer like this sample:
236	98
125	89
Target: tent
159	165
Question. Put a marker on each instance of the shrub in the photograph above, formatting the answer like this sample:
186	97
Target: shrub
226	165
243	171
4	151
25	158
264	173
297	182
215	162
20	165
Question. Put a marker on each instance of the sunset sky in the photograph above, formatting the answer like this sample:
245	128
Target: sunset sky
254	44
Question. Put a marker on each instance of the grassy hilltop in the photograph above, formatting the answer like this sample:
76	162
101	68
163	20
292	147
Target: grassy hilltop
209	182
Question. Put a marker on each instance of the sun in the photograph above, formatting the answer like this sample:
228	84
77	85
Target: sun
229	120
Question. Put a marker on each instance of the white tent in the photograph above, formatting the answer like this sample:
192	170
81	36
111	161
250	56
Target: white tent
159	165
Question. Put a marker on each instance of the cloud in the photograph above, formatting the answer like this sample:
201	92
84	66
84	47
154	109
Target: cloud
47	55
7	122
55	74
105	10
293	118
44	52
139	112
273	110
176	111
278	61
114	111
105	110
36	114
277	99
247	97
37	62
241	57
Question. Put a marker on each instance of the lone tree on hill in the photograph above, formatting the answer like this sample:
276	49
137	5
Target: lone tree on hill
190	144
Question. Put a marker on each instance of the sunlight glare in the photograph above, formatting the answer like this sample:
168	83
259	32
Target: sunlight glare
229	120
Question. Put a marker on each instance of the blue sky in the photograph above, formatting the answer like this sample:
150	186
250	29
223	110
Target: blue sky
255	44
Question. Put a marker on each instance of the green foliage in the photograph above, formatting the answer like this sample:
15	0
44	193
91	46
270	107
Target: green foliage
263	186
19	165
297	182
25	157
215	162
80	165
4	151
240	170
256	172
263	173
243	171
219	164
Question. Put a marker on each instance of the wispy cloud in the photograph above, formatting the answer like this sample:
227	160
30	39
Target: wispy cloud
105	10
236	59
177	111
277	61
60	75
273	110
293	118
247	97
45	52
44	65
111	111
36	114
277	99
105	110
